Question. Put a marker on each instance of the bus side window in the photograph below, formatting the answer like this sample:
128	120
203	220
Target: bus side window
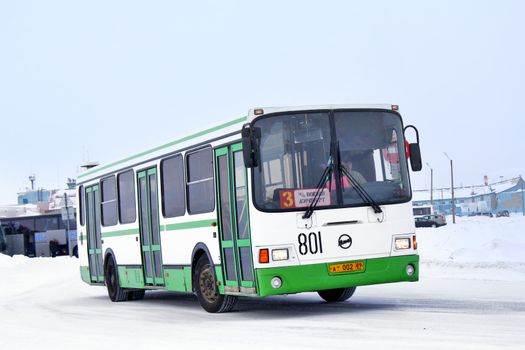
172	187
109	201
126	197
81	194
199	170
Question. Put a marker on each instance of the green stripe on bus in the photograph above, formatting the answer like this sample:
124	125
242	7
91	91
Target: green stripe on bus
190	225
171	227
184	139
133	231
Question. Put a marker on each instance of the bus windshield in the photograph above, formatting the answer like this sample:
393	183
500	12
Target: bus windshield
366	147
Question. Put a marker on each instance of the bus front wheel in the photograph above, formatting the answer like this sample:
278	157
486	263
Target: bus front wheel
205	285
336	295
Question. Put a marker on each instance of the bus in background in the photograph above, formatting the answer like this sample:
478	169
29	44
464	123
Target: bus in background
39	236
284	200
3	242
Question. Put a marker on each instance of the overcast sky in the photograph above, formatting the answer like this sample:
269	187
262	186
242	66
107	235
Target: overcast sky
99	80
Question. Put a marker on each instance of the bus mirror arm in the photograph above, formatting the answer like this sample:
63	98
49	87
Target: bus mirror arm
414	152
250	145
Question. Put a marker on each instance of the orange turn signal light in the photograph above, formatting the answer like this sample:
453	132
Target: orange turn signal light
414	242
264	256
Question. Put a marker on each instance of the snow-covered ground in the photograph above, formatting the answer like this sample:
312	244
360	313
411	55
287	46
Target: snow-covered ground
471	295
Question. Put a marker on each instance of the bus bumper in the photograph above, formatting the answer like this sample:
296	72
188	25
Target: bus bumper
309	278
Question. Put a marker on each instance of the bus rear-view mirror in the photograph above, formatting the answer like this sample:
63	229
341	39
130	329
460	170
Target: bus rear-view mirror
415	157
250	145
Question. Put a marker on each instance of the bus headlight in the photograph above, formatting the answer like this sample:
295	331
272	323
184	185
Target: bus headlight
280	254
410	269
402	243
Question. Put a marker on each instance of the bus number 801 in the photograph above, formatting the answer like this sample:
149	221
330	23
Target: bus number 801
310	244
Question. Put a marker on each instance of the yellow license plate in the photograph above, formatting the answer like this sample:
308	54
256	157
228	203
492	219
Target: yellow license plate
347	267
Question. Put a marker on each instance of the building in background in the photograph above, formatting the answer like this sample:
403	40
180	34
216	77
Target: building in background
471	200
34	196
43	223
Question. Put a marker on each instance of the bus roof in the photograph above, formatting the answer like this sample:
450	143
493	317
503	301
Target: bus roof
210	133
268	110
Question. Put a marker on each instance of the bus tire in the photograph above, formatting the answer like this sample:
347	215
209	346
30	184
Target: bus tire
115	292
336	295
206	288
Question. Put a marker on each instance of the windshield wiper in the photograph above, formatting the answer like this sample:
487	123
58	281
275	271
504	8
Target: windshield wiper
365	196
327	176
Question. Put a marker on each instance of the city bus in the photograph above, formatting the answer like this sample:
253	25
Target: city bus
281	201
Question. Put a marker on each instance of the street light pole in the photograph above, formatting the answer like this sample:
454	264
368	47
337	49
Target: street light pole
522	197
452	189
431	185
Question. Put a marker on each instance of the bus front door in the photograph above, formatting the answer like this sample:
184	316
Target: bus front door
234	224
94	240
149	227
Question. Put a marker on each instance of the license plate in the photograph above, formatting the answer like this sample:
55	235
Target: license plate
347	267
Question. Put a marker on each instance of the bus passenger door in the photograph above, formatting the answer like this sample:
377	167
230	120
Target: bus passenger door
234	224
94	240
149	227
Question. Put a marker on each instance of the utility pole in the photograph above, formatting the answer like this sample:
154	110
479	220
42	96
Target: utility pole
65	217
452	189
431	185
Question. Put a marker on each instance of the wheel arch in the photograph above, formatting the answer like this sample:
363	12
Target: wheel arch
109	254
201	249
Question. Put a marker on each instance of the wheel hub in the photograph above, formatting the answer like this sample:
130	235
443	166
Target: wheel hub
207	285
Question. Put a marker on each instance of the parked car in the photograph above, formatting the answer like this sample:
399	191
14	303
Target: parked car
502	213
481	213
435	220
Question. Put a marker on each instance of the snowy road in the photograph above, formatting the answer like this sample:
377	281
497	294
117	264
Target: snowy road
434	313
464	300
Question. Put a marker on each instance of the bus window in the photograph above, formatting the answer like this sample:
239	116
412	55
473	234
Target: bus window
3	243
200	182
109	201
126	197
81	199
172	174
46	224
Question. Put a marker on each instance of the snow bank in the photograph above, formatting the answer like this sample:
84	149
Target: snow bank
475	247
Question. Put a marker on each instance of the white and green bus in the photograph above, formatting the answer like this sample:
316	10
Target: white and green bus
284	200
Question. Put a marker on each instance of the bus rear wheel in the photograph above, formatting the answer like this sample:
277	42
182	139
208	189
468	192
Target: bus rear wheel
336	295
115	292
205	285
